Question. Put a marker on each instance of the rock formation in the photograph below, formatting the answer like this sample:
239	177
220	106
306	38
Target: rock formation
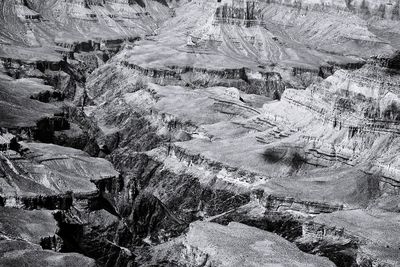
199	133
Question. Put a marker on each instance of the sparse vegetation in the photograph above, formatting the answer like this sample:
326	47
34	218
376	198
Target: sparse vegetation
382	10
306	79
392	112
297	160
345	104
272	155
349	4
372	110
292	158
276	96
364	7
396	10
194	80
139	84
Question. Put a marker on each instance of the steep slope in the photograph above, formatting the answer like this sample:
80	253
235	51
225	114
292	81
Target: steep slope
123	124
285	38
60	27
209	244
316	151
21	235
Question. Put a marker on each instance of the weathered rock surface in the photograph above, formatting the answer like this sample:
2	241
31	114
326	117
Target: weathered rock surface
21	235
15	253
210	244
313	152
281	37
46	169
126	126
51	29
17	109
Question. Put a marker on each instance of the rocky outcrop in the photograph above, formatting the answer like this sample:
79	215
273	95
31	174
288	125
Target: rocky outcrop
379	9
48	202
198	248
390	62
46	127
282	204
246	13
264	83
18	252
210	120
22	234
336	243
338	246
18	68
193	198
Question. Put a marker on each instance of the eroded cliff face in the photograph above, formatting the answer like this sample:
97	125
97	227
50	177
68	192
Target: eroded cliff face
382	9
134	134
314	152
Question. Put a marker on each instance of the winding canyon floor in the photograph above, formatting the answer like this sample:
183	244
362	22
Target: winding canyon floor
173	133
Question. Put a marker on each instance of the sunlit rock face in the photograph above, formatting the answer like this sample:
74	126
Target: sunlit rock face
199	133
245	13
22	233
294	40
42	170
209	244
317	151
60	28
359	107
